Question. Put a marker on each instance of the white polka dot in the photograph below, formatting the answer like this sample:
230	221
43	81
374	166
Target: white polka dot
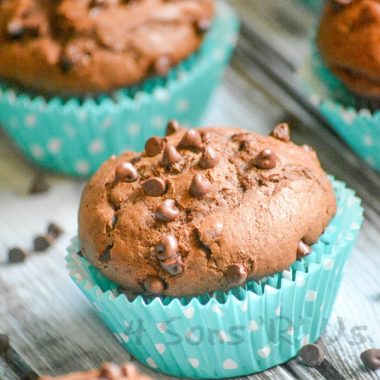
161	94
37	151
229	364
253	326
182	105
30	120
300	281
82	167
223	336
366	113
151	363
290	330
305	340
219	54
311	295
133	129
127	324
329	264
244	306
124	337
107	123
189	312
370	161
160	347
264	352
158	122
278	311
368	140
162	327
315	99
70	131
194	362
355	226
193	337
54	146
216	309
96	146
349	116
11	97
82	115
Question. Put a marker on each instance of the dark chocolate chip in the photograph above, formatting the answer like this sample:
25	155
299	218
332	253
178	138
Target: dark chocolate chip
191	140
167	211
281	132
172	127
109	371
54	230
80	254
153	146
155	187
371	358
236	274
126	172
266	159
199	186
16	255
15	30
202	25
303	250
65	64
105	257
42	243
205	136
4	344
162	65
170	156
312	355
154	285
39	185
168	248
209	158
173	266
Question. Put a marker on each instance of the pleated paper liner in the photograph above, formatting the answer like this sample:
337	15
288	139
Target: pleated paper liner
75	136
353	120
244	331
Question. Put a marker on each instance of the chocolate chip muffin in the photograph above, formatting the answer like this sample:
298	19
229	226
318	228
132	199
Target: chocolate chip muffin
348	43
204	209
108	371
91	46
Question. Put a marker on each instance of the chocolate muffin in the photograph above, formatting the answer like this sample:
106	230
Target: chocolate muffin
204	209
91	46
108	371
347	39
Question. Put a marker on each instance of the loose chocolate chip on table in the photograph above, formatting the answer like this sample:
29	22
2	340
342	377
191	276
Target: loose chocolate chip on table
236	274
209	158
54	230
170	156
153	146
162	65
203	25
167	211
303	250
199	186
312	355
154	187
371	358
281	132
126	172
39	185
172	127
266	159
191	140
4	343
173	266
168	248
42	243
16	255
109	371
154	285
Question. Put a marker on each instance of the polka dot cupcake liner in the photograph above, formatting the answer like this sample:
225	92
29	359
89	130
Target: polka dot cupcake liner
358	127
244	331
74	137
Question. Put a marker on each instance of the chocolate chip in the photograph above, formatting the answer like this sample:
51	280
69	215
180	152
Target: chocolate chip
170	156
173	266
54	230
236	274
15	30
126	172
168	248
199	186
209	158
191	140
109	371
167	211
16	255
39	185
312	355
42	243
371	358
154	285
205	136
281	132
303	250
65	64
266	159
105	257
153	146
172	127
162	65
202	25
4	344
155	187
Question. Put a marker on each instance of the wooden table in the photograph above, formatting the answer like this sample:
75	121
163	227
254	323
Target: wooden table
51	324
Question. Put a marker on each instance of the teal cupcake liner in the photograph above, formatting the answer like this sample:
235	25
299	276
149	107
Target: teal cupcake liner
74	137
314	4
246	330
358	127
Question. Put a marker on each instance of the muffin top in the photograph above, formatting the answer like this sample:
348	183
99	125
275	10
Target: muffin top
203	210
91	46
108	371
348	40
